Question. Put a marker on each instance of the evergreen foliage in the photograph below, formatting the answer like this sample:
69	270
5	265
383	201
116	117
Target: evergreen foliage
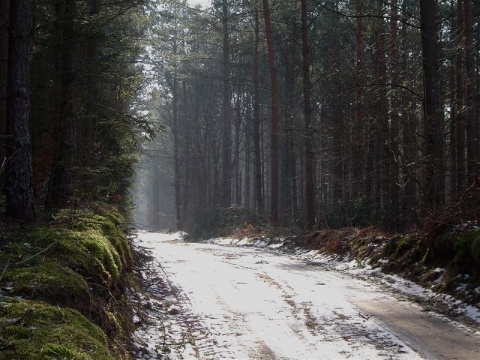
86	81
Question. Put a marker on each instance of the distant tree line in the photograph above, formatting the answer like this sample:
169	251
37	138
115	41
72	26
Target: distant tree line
68	82
319	112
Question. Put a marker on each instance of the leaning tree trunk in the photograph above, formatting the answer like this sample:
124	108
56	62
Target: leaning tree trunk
18	182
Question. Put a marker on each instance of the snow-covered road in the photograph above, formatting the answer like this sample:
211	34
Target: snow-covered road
216	302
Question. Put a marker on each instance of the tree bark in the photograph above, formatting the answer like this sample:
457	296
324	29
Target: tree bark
238	173
473	150
259	200
460	161
248	156
60	187
92	80
409	144
226	114
4	21
274	115
18	182
288	186
394	119
359	126
176	151
307	91
432	107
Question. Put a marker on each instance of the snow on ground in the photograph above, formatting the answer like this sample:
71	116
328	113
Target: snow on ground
212	301
396	283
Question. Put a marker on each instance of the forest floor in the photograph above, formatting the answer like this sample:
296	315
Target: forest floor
324	295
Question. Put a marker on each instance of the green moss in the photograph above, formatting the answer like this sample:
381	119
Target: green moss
459	251
57	351
79	261
103	251
466	252
399	246
476	251
48	280
107	221
425	257
33	330
88	250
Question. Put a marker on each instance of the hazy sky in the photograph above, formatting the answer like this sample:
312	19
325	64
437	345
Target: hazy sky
204	3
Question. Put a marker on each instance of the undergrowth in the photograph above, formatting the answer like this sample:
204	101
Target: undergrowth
226	221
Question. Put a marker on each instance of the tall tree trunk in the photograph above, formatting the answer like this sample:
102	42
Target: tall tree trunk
226	114
238	173
382	168
473	149
460	161
18	182
92	80
274	124
337	142
185	161
409	144
432	113
4	21
60	187
156	208
288	187
259	199
176	150
359	107
377	183
248	156
94	7
394	175
307	90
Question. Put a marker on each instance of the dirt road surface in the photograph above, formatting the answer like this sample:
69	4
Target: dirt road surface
215	302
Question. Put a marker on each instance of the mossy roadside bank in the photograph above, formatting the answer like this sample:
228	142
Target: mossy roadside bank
63	287
449	264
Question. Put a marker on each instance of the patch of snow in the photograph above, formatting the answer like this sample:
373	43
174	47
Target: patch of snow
398	284
276	245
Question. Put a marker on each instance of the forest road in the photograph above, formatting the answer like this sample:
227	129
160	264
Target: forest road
248	303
